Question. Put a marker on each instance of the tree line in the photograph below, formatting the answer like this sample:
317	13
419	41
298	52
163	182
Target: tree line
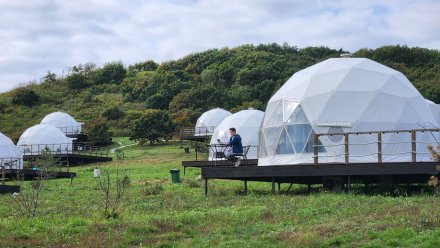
149	100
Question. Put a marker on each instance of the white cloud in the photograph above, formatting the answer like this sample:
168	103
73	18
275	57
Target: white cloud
41	35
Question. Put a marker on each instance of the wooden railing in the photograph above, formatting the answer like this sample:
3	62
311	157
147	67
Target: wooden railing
72	130
63	149
199	131
378	142
9	163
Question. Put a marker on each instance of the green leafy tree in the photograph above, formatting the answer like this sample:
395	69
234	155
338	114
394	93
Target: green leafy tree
113	113
50	78
151	126
26	97
113	73
98	132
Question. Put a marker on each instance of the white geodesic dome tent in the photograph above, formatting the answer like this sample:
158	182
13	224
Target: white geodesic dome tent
66	123
11	156
344	95
42	136
247	123
209	120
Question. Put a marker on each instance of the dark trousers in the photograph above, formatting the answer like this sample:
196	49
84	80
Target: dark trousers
233	156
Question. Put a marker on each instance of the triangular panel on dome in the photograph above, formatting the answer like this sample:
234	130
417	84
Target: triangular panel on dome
276	118
284	144
289	107
271	107
262	152
271	136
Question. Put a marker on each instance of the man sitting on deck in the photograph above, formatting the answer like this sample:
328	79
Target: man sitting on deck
237	147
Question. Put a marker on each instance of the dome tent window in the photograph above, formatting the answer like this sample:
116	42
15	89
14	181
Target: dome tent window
294	135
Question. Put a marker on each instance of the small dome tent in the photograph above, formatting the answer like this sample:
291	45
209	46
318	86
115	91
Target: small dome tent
209	120
66	123
247	123
42	136
344	95
10	155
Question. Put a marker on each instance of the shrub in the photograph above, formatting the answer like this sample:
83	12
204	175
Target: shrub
26	97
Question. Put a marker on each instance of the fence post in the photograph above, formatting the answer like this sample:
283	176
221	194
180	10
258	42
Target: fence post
346	148
3	175
379	147
414	145
315	148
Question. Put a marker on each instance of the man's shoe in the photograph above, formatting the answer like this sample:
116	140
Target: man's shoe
237	163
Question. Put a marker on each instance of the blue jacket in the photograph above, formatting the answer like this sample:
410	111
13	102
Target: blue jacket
235	143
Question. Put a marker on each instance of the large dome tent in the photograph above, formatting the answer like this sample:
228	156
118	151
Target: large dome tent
42	136
344	95
66	123
247	123
10	155
209	120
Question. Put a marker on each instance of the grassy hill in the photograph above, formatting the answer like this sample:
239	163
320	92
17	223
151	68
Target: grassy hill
231	78
156	213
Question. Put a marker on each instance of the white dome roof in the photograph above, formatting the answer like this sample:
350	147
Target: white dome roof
43	134
8	149
247	123
63	121
209	120
342	94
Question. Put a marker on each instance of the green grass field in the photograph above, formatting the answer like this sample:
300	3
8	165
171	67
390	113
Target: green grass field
180	215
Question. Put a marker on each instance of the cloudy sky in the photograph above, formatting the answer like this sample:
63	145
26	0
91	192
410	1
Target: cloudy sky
41	35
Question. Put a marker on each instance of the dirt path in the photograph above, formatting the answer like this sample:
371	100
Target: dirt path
121	147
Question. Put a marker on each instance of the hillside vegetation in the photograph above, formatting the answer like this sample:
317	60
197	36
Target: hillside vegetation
230	78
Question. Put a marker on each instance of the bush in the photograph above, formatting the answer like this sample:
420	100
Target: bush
113	113
26	97
152	188
76	81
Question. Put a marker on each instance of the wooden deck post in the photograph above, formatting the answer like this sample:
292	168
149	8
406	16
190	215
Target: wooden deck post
245	187
315	148
273	185
414	145
346	155
3	175
379	147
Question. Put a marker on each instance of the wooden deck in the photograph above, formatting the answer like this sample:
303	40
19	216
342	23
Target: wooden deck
29	174
395	173
219	163
74	159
